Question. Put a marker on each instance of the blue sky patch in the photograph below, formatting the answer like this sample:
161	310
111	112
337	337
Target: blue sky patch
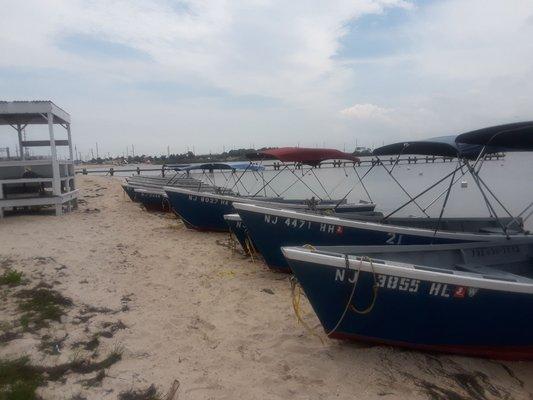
376	35
92	46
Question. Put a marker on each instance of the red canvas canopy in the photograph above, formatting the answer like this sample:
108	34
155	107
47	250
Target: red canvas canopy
303	155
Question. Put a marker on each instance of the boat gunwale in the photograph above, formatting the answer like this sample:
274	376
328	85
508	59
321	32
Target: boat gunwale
233	217
251	200
376	226
406	270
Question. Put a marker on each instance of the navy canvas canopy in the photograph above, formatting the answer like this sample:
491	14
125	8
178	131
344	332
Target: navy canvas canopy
444	146
517	136
236	166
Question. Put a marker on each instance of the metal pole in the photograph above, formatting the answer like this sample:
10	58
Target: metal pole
445	202
421	193
323	188
498	201
413	200
270	180
354	186
492	212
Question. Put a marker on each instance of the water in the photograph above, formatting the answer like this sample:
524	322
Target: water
510	179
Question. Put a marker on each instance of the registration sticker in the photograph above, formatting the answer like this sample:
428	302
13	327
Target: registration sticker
459	292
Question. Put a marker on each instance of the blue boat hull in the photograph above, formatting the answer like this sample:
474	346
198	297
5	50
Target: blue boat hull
130	191
153	201
204	213
270	232
483	322
239	230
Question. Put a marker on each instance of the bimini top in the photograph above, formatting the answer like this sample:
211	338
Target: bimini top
445	146
302	155
517	136
236	166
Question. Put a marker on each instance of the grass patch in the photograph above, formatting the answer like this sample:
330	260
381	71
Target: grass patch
150	393
140	394
110	328
95	381
41	305
51	345
11	277
90	345
8	336
19	379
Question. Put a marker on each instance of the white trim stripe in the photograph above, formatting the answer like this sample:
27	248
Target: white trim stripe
366	225
458	278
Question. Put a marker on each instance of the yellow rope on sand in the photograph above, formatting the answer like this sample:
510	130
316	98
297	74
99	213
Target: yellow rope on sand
232	243
250	249
296	296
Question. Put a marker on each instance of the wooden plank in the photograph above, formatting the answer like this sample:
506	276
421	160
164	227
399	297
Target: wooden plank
23	163
39	201
43	143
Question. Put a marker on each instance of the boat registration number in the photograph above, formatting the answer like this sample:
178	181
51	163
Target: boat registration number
383	281
300	224
289	222
410	285
208	200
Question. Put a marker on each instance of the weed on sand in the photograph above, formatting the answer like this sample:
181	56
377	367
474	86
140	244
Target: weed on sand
41	305
19	379
11	277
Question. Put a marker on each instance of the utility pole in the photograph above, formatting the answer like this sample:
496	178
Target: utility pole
133	150
97	154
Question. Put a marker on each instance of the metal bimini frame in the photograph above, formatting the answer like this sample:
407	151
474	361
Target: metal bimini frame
485	191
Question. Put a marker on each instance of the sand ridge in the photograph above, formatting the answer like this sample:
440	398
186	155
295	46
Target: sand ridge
221	325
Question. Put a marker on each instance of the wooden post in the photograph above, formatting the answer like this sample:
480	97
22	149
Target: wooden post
56	183
55	162
21	148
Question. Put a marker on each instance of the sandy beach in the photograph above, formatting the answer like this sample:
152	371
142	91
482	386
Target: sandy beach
180	307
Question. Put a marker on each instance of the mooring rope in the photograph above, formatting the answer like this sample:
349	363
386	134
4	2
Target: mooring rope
232	243
296	296
250	248
375	288
339	322
349	305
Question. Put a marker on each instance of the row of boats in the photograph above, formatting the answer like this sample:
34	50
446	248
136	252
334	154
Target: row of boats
457	285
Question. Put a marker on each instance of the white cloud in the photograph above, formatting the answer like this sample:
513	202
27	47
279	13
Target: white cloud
460	64
367	112
268	48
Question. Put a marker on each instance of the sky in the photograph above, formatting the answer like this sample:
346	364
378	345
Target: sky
213	75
